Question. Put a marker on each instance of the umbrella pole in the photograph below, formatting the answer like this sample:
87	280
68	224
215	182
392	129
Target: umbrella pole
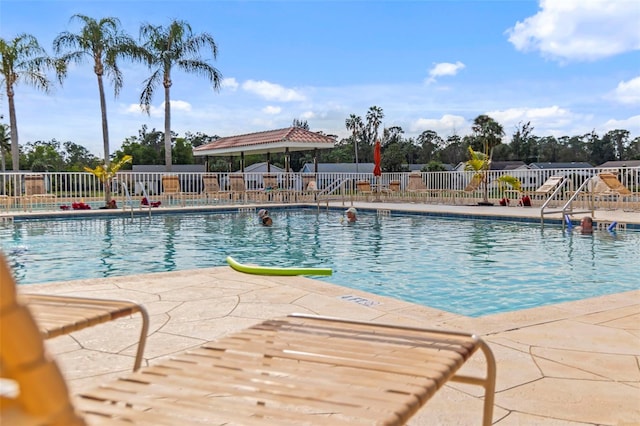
377	188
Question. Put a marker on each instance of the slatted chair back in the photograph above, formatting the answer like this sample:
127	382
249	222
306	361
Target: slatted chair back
237	183
41	395
614	184
415	182
34	185
210	183
170	184
474	183
549	185
270	181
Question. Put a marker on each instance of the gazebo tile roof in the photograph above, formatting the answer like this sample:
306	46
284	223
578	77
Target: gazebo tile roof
291	134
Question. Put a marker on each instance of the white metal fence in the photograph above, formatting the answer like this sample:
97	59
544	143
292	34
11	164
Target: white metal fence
55	190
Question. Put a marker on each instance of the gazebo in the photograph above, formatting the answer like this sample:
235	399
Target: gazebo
272	141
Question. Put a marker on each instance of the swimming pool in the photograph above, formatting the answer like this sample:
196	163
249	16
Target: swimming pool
469	267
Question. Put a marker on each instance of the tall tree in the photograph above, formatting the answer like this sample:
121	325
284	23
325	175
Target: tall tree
355	124
548	149
374	119
76	157
487	133
41	156
301	124
174	46
24	60
521	142
620	140
602	150
454	151
431	143
104	43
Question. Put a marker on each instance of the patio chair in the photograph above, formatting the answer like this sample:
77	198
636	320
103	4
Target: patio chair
35	192
238	187
392	191
416	186
57	315
211	187
364	189
469	191
546	189
239	191
5	202
617	188
270	187
171	192
292	370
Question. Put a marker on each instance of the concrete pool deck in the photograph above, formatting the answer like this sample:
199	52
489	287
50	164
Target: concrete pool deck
574	363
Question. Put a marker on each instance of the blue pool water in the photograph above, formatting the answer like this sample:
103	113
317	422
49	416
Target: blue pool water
469	267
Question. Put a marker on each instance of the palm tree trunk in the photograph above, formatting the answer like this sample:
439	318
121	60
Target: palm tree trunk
105	137
167	127
13	124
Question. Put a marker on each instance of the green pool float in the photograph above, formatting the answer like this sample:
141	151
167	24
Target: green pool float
272	270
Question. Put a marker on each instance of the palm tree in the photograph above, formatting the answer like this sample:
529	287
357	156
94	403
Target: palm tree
354	123
23	59
166	47
488	134
374	118
479	163
104	43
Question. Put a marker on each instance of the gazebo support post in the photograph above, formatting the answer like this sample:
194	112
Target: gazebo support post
287	159
315	161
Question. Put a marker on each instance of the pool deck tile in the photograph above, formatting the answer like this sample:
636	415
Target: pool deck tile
570	364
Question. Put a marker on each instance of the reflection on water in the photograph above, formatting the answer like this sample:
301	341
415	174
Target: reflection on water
463	266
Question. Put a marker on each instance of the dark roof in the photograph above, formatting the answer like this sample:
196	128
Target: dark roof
338	168
293	138
571	165
506	165
418	167
628	163
262	168
175	168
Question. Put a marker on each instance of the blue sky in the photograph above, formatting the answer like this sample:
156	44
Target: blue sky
567	66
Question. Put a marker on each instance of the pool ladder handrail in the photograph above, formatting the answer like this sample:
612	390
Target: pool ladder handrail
324	195
567	208
128	200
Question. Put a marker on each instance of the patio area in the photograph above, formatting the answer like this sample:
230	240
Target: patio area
573	363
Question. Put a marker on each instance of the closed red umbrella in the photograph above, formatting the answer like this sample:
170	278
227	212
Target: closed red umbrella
377	158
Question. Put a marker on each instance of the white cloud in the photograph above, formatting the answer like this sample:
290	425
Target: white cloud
271	91
133	109
628	92
443	69
178	106
445	126
579	29
632	124
158	111
512	115
546	121
271	110
230	83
